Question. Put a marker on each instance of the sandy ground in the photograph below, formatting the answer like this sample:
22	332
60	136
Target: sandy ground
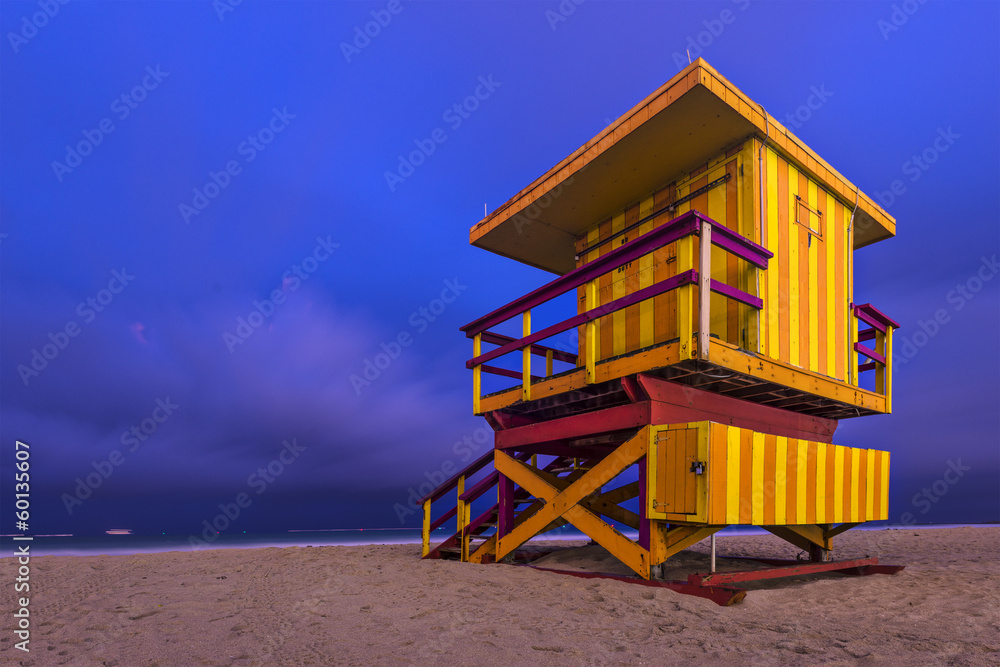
383	605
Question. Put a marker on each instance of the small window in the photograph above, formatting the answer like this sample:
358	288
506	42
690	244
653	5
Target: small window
809	218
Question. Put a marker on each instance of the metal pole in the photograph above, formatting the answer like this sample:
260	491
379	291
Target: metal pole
712	540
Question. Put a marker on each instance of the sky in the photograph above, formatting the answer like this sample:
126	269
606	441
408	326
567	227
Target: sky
207	227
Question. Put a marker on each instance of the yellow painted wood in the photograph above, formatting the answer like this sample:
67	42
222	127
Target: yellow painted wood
829	246
757	480
838	484
591	328
885	485
801	479
548	362
425	530
733	475
781	479
618	289
718	211
815	246
705	269
685	297
774	267
526	358
646	270
477	375
821	491
462	520
677	539
855	477
794	326
870	486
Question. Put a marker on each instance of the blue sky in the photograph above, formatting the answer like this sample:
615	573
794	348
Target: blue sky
277	124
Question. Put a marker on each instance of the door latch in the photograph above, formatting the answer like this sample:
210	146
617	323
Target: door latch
698	467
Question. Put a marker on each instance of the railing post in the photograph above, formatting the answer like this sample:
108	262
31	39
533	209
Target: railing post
548	363
852	354
685	297
477	374
591	332
461	510
526	358
704	290
425	531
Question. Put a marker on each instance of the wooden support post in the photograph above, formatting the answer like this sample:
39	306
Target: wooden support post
477	374
685	297
526	358
704	290
505	505
591	333
425	531
643	500
462	519
548	362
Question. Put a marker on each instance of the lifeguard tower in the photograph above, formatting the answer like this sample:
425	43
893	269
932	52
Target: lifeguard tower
717	340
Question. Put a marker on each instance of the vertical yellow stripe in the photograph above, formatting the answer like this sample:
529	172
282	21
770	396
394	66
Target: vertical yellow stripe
815	245
780	479
885	486
829	244
821	454
855	476
646	279
773	267
800	482
732	475
870	494
794	330
838	484
757	480
593	236
618	289
717	211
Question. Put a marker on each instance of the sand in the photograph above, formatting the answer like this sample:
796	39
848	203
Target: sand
383	605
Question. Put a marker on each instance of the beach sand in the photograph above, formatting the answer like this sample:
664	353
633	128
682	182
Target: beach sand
384	605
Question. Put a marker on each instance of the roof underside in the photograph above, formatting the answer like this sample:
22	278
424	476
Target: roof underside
682	125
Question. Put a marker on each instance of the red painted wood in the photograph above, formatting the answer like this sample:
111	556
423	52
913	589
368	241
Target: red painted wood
779	572
506	505
607	420
634	390
673	402
720	595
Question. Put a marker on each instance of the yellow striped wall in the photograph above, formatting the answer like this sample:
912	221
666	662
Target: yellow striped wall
759	479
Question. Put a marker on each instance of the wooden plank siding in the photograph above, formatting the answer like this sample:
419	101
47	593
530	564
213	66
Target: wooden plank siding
765	480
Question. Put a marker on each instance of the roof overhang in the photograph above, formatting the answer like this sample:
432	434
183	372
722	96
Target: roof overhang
682	125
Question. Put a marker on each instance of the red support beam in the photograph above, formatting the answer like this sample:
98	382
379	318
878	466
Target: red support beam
607	420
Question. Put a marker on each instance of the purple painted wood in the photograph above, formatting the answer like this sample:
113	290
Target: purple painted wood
743	248
506	506
868	352
870	366
867	334
643	521
452	482
738	294
677	228
685	278
873	316
495	370
540	350
443	519
489	481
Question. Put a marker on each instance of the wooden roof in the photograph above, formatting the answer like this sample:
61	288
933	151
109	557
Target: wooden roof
680	126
